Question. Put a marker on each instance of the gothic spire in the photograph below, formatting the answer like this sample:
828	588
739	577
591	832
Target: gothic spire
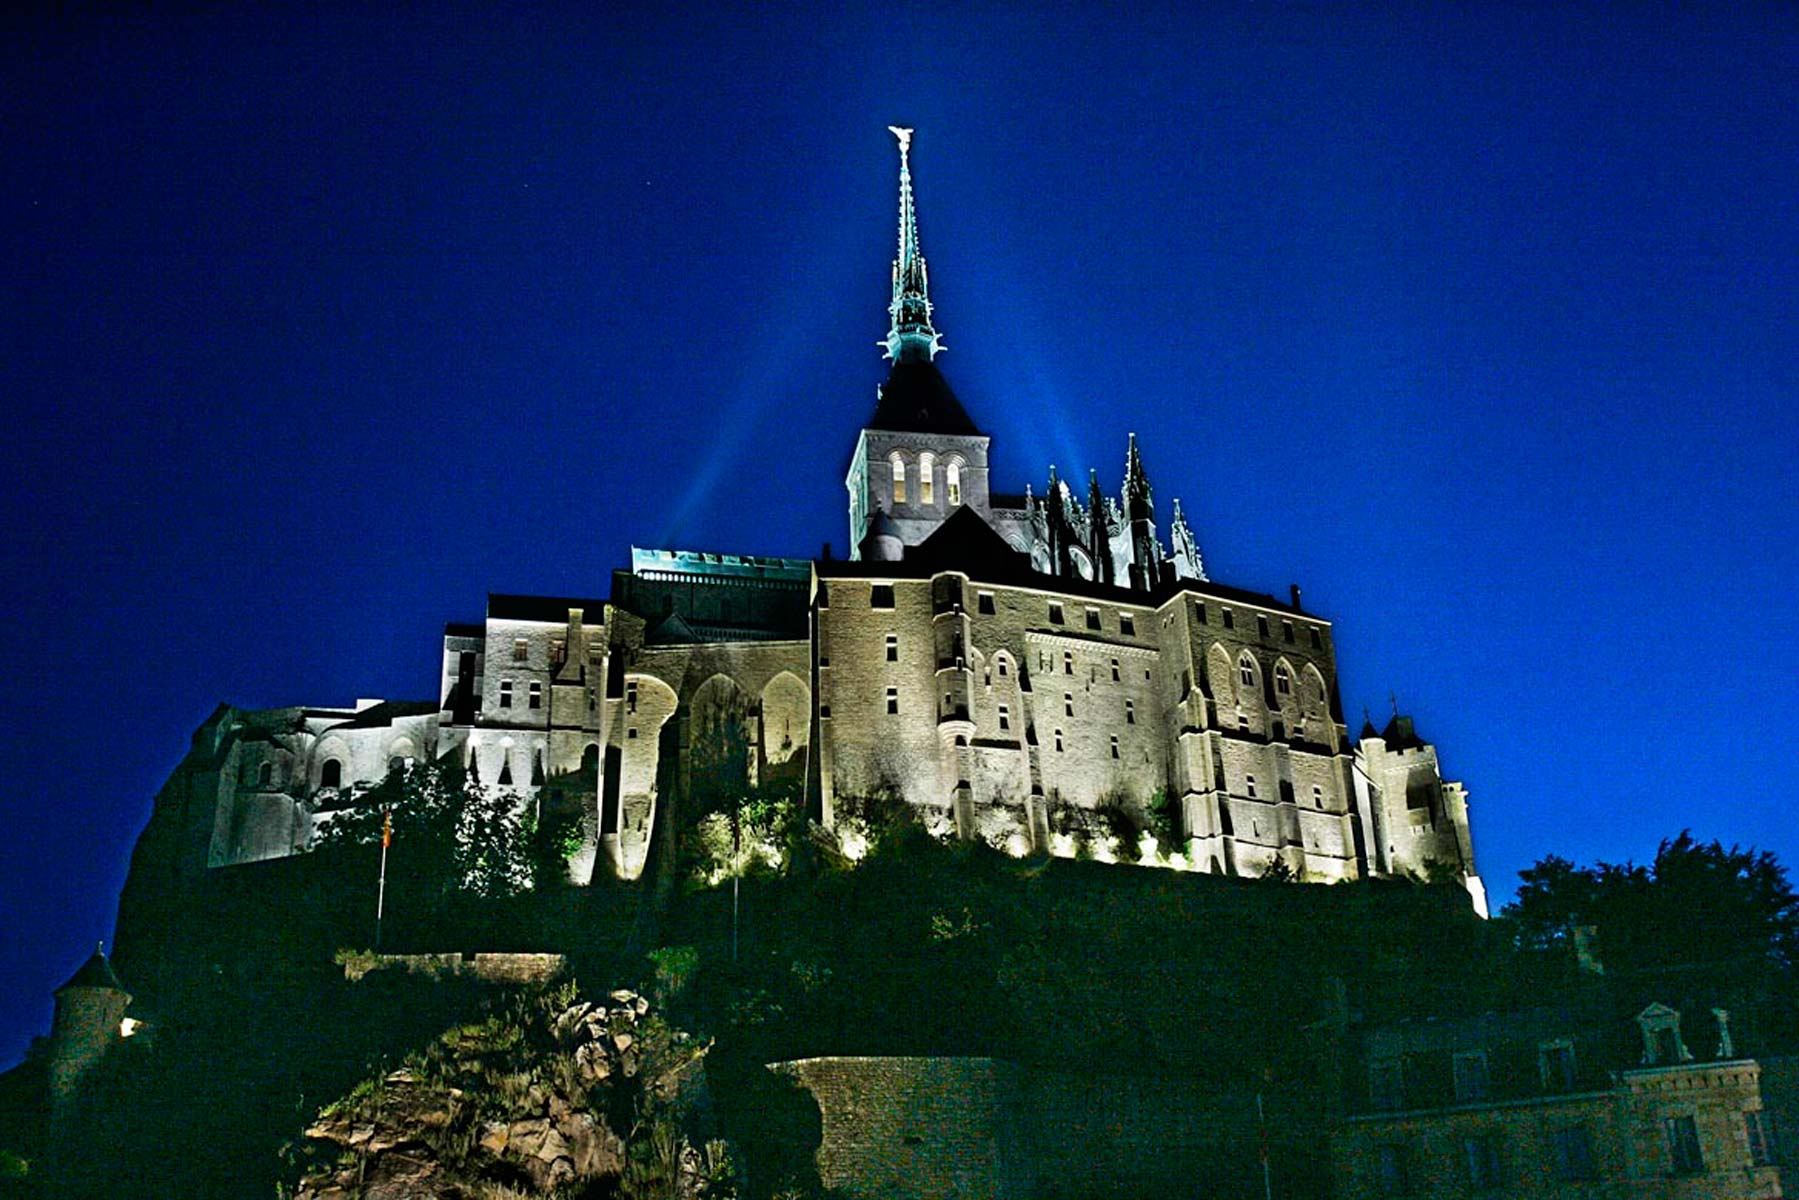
1099	536
910	336
1138	502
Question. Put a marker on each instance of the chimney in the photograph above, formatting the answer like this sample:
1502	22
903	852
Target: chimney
1293	590
826	554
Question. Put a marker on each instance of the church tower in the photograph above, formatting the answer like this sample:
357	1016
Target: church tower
920	457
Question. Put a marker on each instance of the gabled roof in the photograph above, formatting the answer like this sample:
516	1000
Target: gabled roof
917	399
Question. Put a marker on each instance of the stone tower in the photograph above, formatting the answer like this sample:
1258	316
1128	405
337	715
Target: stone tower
921	457
90	1008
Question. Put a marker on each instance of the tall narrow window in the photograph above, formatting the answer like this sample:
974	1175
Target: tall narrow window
893	647
1283	682
1261	625
1114	670
1249	786
1246	671
952	480
1005	718
1067	662
1068	704
1230	622
265	774
1114	745
1093	618
536	695
1127	626
892	701
984	604
1683	1145
927	469
1130	712
1058	741
899	479
1002	668
1055	612
331	774
1760	1128
505	693
1286	631
630	697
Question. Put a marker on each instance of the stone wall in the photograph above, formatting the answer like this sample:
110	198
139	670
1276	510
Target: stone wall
942	1128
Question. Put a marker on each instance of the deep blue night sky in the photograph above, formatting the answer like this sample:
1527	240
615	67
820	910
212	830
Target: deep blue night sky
1477	321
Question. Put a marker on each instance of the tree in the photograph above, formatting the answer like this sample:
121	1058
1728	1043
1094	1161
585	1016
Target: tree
450	833
1697	904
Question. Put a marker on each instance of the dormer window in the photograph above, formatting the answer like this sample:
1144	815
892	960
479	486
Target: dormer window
1470	1072
927	470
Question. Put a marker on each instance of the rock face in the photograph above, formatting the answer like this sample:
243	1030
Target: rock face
554	1093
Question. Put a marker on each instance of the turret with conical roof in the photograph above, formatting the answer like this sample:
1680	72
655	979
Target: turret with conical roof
90	1009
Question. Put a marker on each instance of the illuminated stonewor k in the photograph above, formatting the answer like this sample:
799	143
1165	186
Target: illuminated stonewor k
910	336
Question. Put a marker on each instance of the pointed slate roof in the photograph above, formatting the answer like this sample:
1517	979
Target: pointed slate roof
96	972
965	541
917	399
1399	734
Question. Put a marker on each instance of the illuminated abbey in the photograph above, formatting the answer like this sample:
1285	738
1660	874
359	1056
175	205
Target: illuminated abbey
1044	670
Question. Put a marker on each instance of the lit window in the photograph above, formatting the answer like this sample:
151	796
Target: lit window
1249	786
892	701
1130	712
505	693
952	480
893	647
1005	718
927	469
984	604
880	596
1114	745
1068	704
1055	612
536	696
1127	625
331	774
1470	1072
1283	682
521	650
1683	1145
1246	670
899	480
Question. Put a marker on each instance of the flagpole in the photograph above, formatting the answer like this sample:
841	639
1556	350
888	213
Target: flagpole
387	836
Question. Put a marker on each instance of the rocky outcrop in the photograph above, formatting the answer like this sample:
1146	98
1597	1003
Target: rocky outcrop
551	1095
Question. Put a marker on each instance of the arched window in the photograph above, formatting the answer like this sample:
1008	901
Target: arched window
899	479
1283	681
927	470
952	482
265	774
331	774
1246	671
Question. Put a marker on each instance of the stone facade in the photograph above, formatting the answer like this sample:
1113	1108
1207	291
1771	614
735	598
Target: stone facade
1050	673
1533	1104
